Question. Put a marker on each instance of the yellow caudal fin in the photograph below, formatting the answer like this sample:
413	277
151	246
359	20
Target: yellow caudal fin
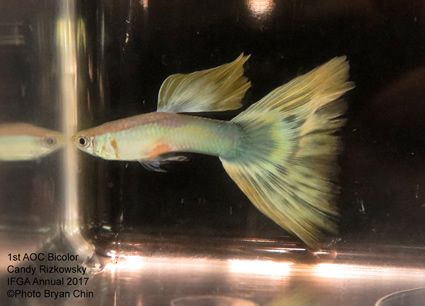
287	160
216	89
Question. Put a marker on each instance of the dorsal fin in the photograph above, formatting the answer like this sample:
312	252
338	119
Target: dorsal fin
217	89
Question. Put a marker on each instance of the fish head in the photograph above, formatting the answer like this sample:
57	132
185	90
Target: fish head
101	145
50	142
84	142
23	141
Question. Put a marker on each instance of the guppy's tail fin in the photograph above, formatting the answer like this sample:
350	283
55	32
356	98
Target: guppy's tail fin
286	163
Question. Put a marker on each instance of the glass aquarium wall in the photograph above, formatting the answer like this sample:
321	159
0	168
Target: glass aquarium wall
31	189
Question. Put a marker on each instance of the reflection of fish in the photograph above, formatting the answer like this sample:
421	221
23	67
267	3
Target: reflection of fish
281	151
22	141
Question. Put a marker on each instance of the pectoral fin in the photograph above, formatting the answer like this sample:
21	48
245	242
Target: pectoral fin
152	165
155	164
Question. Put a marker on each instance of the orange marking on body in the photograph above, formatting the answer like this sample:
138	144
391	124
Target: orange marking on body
158	150
114	145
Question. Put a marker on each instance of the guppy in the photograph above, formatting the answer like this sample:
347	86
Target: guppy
281	151
23	141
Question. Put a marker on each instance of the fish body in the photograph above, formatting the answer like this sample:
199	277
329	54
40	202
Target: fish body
147	136
281	151
22	141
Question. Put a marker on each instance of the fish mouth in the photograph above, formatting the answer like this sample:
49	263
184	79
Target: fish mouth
75	141
74	138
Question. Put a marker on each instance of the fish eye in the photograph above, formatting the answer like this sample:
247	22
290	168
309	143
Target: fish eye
50	141
84	141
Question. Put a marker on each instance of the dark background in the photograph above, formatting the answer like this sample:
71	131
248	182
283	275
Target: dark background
132	49
127	48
